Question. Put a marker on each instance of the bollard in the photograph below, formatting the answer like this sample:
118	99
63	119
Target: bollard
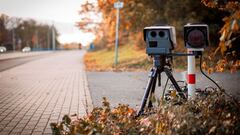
191	78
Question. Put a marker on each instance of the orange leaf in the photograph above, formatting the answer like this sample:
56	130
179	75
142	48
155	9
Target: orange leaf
210	70
223	48
204	65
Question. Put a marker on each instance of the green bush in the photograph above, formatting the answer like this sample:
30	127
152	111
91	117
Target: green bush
212	114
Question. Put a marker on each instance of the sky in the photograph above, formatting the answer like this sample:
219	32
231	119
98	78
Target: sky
62	13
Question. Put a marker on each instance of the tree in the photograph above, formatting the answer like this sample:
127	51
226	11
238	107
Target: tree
3	30
229	46
18	33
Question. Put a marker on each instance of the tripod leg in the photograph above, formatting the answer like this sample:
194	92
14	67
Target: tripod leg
152	77
153	86
174	82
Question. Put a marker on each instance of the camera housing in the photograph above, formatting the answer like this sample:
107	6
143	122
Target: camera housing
160	40
196	36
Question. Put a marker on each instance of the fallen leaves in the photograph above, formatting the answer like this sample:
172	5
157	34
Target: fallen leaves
213	114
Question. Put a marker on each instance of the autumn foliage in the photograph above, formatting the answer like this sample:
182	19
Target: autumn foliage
229	40
212	114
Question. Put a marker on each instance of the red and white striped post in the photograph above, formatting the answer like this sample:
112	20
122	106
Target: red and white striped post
191	77
196	38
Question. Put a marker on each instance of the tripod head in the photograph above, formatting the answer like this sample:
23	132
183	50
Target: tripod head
161	61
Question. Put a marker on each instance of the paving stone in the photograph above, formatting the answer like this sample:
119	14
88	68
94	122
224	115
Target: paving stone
39	129
15	133
4	122
45	116
42	124
35	118
43	121
4	132
29	127
12	124
20	125
33	122
37	132
27	117
16	120
48	130
23	121
26	132
7	129
47	133
17	130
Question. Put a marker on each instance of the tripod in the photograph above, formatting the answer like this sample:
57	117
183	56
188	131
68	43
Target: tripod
161	63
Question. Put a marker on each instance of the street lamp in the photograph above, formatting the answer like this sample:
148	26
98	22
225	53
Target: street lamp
20	39
48	37
118	5
53	38
13	39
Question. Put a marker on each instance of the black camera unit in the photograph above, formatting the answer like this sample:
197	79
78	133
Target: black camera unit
196	36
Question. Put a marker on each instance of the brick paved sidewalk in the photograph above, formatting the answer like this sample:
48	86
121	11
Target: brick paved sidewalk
40	92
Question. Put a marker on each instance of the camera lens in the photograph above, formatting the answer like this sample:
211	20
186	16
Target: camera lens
153	34
196	38
161	34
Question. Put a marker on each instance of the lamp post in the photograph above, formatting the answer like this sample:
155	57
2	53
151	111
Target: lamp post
117	5
53	39
20	41
48	38
13	39
36	42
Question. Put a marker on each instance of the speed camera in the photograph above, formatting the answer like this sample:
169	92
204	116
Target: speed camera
160	40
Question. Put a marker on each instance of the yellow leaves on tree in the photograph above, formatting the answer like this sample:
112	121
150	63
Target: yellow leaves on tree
210	3
229	33
231	25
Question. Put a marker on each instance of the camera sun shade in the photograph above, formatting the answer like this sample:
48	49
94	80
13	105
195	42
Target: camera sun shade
196	36
160	40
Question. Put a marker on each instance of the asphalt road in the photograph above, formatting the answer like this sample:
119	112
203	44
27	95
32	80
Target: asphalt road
128	87
7	63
